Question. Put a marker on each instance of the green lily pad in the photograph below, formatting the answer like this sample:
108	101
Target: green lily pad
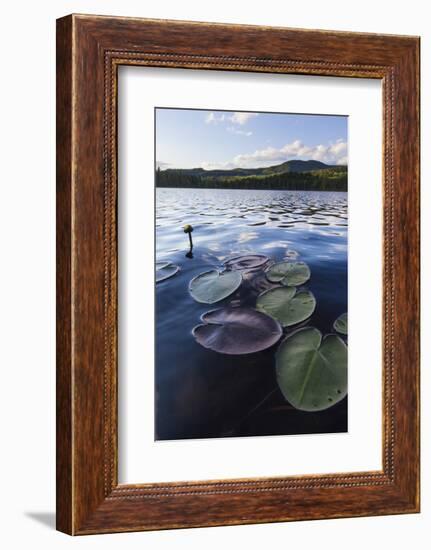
289	273
237	331
311	371
287	305
249	261
164	270
340	324
212	286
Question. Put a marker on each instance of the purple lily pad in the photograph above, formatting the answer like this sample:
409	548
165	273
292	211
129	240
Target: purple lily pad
248	261
237	330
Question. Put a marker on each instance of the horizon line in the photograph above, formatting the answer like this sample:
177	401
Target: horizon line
243	168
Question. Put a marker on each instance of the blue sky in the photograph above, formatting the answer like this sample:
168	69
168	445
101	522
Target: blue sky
188	138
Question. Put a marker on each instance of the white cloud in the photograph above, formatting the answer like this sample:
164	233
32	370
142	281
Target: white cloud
332	153
242	118
233	130
218	165
236	118
213	118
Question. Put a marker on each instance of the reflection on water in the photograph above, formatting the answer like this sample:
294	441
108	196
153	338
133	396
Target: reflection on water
200	393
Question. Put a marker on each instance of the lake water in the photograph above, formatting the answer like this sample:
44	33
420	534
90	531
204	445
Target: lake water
200	393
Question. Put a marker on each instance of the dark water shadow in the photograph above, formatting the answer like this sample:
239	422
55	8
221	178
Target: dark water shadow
45	518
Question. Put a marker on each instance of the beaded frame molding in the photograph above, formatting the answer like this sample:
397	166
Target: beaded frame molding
89	51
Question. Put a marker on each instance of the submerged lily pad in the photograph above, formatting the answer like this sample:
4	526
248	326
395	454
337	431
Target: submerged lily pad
212	286
340	324
249	261
259	282
289	273
311	372
237	331
164	270
287	305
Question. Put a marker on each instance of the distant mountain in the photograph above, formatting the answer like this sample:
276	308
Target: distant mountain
297	166
293	174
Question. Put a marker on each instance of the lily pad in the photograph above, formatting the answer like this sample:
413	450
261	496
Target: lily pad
311	371
289	273
287	305
237	331
259	282
249	261
164	270
212	286
340	324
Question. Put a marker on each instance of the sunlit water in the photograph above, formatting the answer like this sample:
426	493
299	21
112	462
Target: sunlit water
200	393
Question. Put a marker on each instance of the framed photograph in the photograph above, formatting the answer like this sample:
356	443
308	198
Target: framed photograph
237	274
264	226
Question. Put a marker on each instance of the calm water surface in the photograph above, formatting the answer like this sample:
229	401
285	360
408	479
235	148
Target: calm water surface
200	393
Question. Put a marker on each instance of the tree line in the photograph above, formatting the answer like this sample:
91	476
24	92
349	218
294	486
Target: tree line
319	180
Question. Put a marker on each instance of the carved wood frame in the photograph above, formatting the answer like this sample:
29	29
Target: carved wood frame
89	51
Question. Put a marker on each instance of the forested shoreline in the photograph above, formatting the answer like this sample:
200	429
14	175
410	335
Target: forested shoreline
327	179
